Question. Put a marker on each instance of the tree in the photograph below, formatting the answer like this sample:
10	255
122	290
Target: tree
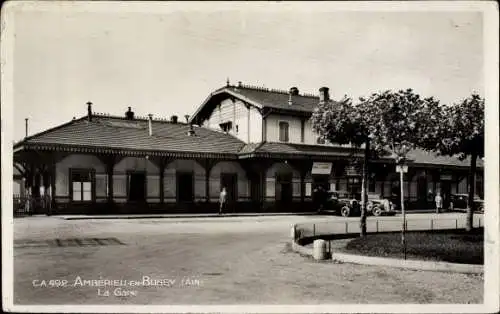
342	123
460	132
385	122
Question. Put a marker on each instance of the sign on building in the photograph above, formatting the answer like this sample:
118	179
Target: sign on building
402	168
445	177
321	168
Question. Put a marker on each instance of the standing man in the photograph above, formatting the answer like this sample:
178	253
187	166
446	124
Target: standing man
222	200
439	202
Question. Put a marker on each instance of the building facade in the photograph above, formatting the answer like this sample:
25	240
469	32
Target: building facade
258	143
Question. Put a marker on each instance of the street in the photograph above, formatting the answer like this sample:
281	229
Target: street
219	260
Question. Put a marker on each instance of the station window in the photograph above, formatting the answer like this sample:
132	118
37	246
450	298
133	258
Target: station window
82	181
283	132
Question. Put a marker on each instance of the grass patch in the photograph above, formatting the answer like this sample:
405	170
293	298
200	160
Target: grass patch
452	246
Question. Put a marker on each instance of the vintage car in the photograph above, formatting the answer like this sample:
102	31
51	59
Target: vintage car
379	206
459	201
343	203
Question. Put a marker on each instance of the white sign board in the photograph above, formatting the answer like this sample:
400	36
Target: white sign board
402	168
321	168
446	177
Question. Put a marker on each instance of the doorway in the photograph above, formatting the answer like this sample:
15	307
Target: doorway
322	181
445	193
422	192
284	188
185	187
230	181
137	187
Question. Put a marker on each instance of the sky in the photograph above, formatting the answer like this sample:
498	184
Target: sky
167	62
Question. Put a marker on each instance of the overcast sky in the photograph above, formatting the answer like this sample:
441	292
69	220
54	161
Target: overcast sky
167	63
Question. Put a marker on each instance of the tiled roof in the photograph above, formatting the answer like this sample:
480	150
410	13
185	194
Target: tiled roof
119	133
291	150
427	158
297	150
277	99
260	97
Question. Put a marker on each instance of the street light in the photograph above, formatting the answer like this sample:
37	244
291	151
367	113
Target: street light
400	152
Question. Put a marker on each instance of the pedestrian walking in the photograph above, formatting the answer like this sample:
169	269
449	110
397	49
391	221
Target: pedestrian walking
222	200
439	202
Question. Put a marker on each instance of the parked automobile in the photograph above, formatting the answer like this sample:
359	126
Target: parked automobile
379	206
460	201
342	203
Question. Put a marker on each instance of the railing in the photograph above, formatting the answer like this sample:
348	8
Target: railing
29	205
330	228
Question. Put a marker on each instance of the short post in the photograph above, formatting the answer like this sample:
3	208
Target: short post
314	230
376	225
456	223
432	224
346	228
319	250
293	233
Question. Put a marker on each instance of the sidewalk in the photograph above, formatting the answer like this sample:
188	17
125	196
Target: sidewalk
149	216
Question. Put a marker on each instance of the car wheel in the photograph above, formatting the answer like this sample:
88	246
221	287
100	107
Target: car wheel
345	211
377	211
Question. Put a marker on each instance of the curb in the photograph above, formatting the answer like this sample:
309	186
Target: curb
178	216
394	262
408	264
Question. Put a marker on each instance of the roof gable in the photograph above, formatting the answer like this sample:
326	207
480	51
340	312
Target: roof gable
260	98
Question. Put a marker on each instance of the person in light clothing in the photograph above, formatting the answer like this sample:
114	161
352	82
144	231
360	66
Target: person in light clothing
439	202
222	200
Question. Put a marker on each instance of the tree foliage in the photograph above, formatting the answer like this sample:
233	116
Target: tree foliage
385	122
397	120
461	133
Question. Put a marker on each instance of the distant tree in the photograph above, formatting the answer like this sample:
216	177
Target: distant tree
459	133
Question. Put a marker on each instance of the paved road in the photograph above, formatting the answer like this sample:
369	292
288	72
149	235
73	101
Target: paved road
231	260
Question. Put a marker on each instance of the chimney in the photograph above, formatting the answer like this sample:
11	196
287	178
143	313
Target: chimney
150	124
186	116
294	91
129	114
26	125
173	119
191	130
324	95
89	111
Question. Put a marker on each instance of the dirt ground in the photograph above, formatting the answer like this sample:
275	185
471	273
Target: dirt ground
204	261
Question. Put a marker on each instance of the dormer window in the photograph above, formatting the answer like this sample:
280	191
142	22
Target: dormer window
283	131
226	126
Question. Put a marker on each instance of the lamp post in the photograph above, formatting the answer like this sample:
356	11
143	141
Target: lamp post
401	167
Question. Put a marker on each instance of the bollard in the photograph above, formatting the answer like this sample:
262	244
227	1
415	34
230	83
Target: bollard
293	232
319	251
